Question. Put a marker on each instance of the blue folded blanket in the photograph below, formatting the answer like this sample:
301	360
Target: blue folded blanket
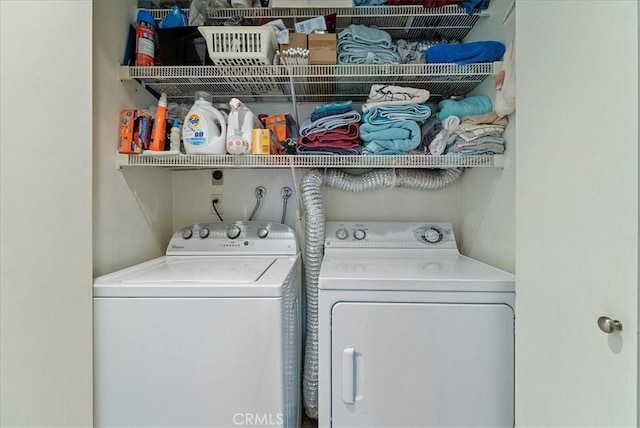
319	115
328	150
465	53
366	36
359	44
464	107
329	122
393	138
384	114
336	105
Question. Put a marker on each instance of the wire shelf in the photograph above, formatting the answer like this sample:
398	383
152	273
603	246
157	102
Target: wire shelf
408	22
311	161
310	83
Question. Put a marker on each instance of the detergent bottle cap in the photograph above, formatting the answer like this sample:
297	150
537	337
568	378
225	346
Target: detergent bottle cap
176	124
204	96
163	100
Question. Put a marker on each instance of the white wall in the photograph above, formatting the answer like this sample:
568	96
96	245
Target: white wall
45	215
132	207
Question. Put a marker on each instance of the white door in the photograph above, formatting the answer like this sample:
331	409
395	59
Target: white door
421	364
576	212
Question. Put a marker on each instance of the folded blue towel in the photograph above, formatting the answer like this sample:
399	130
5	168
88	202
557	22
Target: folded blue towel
336	105
464	107
328	150
350	52
392	138
469	5
366	35
465	53
326	113
329	122
384	114
369	2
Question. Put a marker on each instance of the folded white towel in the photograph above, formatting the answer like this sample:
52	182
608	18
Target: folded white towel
384	95
439	144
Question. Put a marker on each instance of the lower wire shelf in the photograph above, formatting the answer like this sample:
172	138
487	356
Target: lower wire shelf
202	161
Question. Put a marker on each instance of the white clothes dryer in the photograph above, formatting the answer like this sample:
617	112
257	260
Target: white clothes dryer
208	335
412	333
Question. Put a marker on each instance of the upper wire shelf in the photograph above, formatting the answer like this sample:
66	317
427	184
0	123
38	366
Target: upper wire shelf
408	22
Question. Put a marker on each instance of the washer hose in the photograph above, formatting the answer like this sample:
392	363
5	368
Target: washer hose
314	219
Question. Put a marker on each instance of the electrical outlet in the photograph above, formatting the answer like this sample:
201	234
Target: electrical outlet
218	204
217	178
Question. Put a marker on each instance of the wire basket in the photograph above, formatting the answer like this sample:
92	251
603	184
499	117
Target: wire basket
240	45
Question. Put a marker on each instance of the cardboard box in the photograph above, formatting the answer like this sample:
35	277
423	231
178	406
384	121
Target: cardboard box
296	40
135	131
322	49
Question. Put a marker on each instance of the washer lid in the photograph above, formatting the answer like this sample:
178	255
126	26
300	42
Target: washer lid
199	276
410	270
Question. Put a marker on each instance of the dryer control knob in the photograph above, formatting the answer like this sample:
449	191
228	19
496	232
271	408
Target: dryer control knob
187	233
233	232
359	234
432	235
204	232
263	232
342	234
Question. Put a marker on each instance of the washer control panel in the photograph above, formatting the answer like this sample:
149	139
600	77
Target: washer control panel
436	235
239	237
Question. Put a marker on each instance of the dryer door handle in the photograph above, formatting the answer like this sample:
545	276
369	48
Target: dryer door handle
348	375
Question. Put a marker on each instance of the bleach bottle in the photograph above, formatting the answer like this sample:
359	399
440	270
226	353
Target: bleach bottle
204	128
242	121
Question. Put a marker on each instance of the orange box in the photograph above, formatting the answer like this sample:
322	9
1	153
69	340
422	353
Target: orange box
281	125
135	131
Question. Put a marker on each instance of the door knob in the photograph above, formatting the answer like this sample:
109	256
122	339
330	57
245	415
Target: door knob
608	325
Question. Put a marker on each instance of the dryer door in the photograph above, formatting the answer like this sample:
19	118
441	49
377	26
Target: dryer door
422	364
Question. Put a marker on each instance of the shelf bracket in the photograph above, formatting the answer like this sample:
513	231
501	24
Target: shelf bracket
124	73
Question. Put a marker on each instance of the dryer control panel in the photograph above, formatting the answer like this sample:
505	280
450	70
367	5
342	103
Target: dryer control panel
233	237
410	235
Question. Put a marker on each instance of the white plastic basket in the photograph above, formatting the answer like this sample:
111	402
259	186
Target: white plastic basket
240	45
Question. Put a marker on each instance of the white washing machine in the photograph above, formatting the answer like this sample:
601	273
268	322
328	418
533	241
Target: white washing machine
208	335
411	333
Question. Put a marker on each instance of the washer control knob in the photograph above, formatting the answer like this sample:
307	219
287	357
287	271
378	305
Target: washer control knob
263	232
342	234
432	235
204	232
359	234
233	232
187	233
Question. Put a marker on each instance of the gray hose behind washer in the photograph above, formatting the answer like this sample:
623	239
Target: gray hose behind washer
314	218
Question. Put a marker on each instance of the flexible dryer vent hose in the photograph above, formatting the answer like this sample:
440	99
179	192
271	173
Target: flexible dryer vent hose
314	218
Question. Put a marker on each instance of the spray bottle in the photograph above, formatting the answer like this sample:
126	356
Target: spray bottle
174	137
159	126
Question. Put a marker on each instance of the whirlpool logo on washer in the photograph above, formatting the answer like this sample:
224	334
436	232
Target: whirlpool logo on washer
258	419
177	247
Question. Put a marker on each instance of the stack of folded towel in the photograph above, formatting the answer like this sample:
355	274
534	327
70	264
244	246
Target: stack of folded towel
332	129
391	119
471	135
359	44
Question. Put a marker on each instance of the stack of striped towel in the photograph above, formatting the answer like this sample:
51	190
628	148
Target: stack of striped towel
391	119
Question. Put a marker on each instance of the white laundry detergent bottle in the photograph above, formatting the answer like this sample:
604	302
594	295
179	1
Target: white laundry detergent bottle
204	128
242	122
